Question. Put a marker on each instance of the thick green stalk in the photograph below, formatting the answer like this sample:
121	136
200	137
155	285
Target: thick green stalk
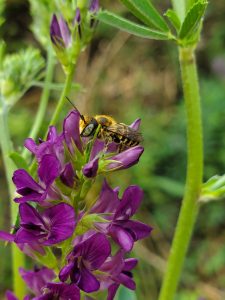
18	259
44	99
189	208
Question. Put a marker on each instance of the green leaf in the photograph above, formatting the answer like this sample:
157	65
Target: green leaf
193	19
125	294
131	27
19	161
213	189
147	13
174	19
179	7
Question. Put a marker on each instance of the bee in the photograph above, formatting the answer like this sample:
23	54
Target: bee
110	130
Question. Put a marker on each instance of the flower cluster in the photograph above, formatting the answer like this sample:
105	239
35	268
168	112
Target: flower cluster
94	237
70	34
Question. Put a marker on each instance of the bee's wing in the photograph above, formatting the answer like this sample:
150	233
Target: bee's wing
125	131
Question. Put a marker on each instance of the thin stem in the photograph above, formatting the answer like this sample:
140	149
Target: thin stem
65	92
189	208
18	259
59	107
44	99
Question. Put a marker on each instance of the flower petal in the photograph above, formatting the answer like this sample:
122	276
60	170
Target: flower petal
108	200
24	183
5	236
37	279
64	291
49	169
65	271
30	145
64	31
95	250
10	296
71	130
126	159
55	32
67	175
112	291
130	263
122	237
127	281
61	219
29	215
136	124
130	202
138	229
88	281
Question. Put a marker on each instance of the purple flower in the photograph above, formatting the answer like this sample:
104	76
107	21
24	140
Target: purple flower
59	32
53	145
30	190
68	175
124	231
61	291
86	257
53	226
125	159
117	271
37	279
71	131
107	202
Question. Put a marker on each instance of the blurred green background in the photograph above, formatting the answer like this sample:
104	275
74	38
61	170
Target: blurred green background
128	78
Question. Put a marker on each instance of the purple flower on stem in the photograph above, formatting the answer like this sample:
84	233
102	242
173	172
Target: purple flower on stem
30	190
118	272
124	231
53	226
53	145
60	291
86	257
107	202
37	279
59	32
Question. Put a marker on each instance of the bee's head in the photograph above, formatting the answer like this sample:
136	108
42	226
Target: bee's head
88	126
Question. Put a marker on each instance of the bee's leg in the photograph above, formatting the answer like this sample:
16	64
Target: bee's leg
107	141
121	147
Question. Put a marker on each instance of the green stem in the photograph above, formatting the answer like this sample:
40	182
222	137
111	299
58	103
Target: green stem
65	92
189	208
59	107
44	99
18	259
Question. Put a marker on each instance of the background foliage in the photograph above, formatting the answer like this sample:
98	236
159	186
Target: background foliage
127	77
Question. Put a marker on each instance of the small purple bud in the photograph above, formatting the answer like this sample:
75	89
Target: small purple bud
77	18
59	32
94	6
91	168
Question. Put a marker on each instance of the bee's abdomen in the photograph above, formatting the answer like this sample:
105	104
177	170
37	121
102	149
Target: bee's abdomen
120	139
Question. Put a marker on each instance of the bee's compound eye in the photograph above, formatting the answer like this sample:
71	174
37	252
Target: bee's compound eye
88	130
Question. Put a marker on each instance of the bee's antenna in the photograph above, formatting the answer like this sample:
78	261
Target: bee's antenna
81	116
